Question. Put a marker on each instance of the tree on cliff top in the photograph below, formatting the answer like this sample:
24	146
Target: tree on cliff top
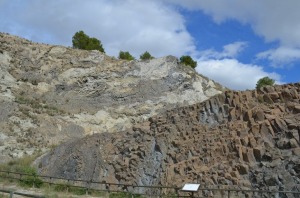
187	60
264	82
82	41
146	56
125	56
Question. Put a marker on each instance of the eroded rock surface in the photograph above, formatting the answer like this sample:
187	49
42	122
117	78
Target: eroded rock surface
51	94
244	139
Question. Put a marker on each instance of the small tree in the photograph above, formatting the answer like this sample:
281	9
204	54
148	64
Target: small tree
82	41
187	60
125	56
146	56
264	82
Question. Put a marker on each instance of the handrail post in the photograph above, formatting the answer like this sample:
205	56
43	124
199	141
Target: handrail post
33	181
11	194
87	187
192	195
50	182
108	187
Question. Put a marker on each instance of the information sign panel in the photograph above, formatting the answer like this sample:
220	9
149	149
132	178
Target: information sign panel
191	187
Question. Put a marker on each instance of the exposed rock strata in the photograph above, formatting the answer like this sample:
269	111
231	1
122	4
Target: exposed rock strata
51	94
247	139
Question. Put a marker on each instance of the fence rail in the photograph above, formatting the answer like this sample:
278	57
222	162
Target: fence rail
149	191
12	192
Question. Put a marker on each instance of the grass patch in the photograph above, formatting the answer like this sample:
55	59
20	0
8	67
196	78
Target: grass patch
171	195
98	193
23	165
75	190
30	180
51	193
78	191
38	107
63	187
123	195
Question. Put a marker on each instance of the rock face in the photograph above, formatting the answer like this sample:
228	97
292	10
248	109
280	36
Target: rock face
51	94
246	139
148	123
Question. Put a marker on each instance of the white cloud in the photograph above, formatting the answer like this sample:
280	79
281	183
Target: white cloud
128	25
274	20
233	49
281	56
234	74
229	51
224	68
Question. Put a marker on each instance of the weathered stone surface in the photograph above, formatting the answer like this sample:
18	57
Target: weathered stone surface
297	108
259	115
271	180
294	143
267	99
296	152
221	141
274	96
243	169
147	123
51	94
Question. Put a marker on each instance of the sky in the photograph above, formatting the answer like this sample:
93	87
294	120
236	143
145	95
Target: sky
234	42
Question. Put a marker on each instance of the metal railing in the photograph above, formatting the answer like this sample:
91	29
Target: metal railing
13	192
144	190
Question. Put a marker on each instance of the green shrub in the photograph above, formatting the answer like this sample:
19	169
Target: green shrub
146	56
82	41
264	82
187	60
125	56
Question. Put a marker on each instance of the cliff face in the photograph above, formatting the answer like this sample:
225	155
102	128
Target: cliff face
152	122
51	94
245	139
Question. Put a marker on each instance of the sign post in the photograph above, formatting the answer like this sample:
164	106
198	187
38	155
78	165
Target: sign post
191	188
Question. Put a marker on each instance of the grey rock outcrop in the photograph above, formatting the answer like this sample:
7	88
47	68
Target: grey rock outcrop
51	94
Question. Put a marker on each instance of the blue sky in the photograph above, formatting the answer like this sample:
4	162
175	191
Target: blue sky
234	42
